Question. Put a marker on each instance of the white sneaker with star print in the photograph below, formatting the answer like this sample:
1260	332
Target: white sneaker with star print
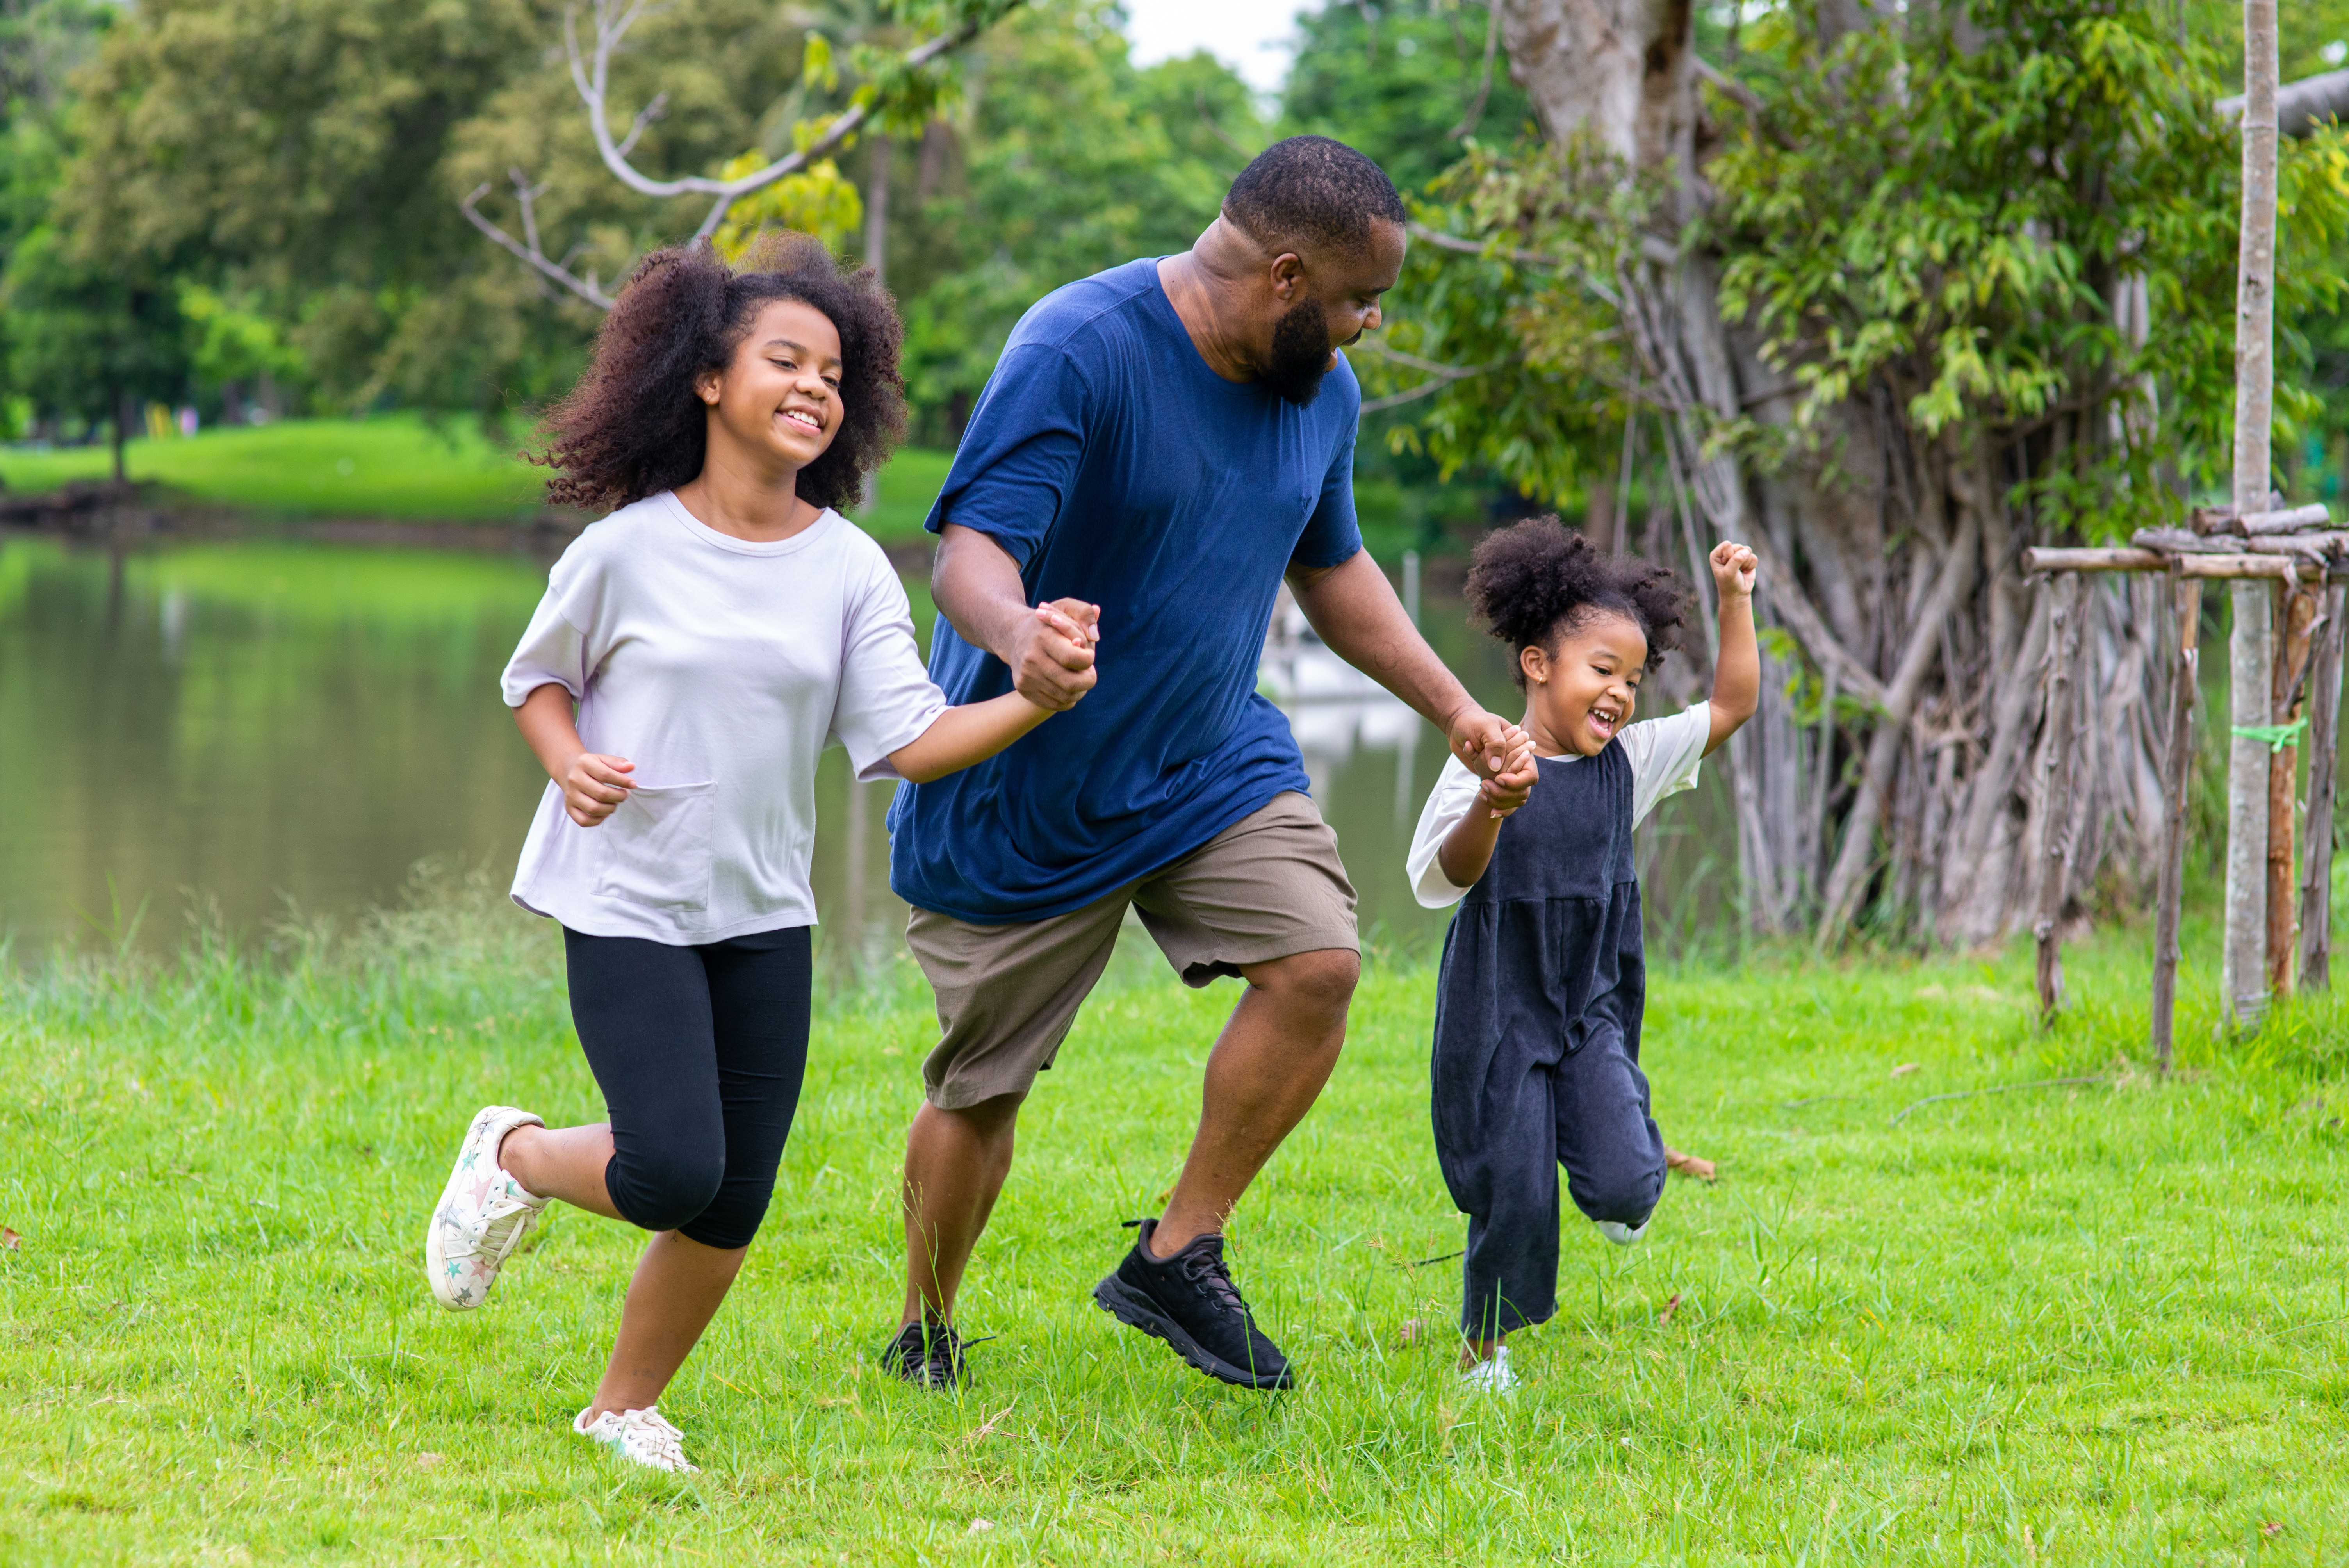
641	1437
482	1215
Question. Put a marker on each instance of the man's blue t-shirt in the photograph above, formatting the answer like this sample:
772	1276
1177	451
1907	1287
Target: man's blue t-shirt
1116	468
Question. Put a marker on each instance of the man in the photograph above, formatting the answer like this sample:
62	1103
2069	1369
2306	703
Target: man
1164	441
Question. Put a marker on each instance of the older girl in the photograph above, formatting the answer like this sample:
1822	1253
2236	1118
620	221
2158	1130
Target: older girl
695	651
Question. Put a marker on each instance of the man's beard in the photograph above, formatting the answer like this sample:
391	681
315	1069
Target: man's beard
1300	354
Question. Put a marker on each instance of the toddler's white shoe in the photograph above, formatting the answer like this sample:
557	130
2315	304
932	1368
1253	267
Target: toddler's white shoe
1621	1235
482	1215
1492	1376
641	1437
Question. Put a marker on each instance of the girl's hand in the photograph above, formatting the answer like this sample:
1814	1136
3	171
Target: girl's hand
1734	566
595	785
1504	792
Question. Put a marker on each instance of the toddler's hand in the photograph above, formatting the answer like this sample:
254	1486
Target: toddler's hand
1078	626
595	785
1513	785
1073	619
1734	566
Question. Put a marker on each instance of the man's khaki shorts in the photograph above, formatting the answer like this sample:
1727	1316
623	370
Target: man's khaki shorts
1267	886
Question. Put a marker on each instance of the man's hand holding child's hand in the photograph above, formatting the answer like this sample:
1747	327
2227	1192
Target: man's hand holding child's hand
1509	788
1054	664
1734	566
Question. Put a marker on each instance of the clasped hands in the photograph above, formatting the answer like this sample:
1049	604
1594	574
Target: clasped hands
1501	756
1052	666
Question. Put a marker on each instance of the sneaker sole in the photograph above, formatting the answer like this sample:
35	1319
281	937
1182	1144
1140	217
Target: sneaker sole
1137	1311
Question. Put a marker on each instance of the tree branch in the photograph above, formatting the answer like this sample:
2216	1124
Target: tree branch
1485	82
530	254
592	77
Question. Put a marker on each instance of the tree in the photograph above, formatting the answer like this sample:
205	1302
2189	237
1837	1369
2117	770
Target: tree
91	341
1885	299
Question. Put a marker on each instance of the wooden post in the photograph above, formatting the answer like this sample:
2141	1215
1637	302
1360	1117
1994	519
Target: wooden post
2323	748
2295	609
2055	789
2177	772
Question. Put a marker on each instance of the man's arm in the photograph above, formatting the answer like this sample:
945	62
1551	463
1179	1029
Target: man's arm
1353	608
977	587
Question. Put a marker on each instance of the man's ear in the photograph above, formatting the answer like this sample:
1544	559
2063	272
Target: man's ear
1288	275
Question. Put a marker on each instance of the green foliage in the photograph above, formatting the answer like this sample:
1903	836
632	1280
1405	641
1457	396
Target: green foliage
1960	227
2081	1325
1536	371
1065	159
1404	83
1954	228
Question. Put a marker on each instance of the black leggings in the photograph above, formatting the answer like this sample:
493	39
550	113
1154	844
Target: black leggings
699	1052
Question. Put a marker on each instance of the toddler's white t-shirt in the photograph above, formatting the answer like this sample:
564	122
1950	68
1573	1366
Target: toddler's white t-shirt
1664	754
721	667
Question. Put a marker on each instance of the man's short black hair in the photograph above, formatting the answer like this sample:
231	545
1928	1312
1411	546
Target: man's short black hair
1313	191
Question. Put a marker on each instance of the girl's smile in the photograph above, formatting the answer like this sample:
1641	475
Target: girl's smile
1579	696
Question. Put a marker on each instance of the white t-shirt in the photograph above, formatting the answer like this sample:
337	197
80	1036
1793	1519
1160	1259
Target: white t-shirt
722	669
1663	753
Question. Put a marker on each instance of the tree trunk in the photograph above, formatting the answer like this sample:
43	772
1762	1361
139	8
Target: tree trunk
2245	971
121	435
1894	572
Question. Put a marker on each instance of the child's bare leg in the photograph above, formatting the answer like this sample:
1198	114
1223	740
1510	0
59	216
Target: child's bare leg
675	1294
565	1162
1473	1351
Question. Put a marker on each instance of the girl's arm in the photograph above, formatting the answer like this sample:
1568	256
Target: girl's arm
1738	672
1467	848
593	785
978	730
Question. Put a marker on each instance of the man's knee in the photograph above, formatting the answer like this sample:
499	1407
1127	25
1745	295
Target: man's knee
988	1121
1321	982
663	1189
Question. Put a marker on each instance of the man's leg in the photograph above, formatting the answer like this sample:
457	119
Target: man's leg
1267	1067
1006	995
955	1163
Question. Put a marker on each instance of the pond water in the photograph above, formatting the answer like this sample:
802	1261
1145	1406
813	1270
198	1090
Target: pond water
280	729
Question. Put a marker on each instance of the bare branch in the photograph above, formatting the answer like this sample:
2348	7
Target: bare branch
645	117
530	254
1485	82
1467	247
591	76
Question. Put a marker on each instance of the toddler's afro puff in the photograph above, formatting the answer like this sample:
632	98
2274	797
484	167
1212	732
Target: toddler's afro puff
1532	581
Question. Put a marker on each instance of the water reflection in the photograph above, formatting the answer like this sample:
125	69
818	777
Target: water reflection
284	726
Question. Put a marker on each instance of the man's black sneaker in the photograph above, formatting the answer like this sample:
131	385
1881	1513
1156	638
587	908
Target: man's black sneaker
1189	1301
926	1355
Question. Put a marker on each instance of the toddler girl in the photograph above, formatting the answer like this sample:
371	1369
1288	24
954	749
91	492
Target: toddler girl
1537	1061
696	651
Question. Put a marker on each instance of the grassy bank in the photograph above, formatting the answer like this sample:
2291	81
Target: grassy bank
394	467
2096	1323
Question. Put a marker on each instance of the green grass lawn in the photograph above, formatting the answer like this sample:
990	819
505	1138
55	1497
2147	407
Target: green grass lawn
394	466
2097	1324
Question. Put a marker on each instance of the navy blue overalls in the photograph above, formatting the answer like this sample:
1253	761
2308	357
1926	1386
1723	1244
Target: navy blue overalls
1537	1061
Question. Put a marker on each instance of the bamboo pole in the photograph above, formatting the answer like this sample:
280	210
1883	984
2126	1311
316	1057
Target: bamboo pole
2323	748
2177	772
2296	609
2250	645
2282	567
2056	792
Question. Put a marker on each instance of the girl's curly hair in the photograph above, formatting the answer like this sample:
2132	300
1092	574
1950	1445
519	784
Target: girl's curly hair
1531	583
633	427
